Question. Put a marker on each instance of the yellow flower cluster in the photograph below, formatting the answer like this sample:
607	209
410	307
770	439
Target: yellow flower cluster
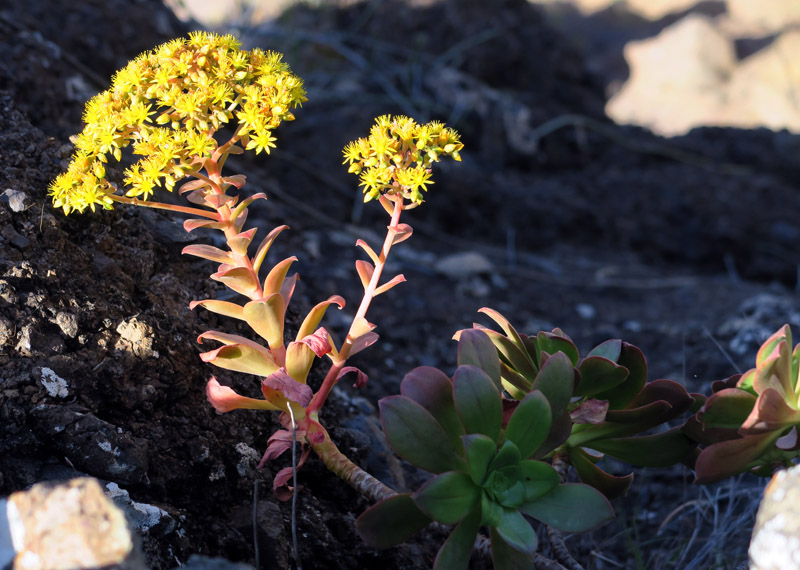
397	156
168	104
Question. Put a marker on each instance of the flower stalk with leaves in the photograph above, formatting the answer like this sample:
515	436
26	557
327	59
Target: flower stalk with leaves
171	106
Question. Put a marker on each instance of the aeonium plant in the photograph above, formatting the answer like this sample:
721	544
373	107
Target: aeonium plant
607	405
750	422
483	460
170	106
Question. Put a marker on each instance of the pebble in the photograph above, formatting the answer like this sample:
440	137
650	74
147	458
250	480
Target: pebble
17	201
15	238
464	264
68	323
586	311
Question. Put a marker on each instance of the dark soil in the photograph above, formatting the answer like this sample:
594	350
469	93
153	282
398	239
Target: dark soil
684	247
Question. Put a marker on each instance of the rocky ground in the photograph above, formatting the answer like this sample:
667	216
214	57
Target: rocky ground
555	217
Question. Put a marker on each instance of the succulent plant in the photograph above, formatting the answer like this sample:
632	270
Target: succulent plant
458	429
611	406
750	421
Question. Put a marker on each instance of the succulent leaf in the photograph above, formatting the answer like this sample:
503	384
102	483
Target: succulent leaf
416	436
658	450
728	458
610	349
239	279
571	507
266	318
279	387
391	521
530	423
457	549
224	308
476	348
241	358
433	390
556	380
598	375
448	497
477	401
314	316
552	343
770	413
620	396
517	532
479	450
274	279
538	479
504	557
611	486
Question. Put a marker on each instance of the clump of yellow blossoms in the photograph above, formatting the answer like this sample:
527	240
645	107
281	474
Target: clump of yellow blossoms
168	104
397	156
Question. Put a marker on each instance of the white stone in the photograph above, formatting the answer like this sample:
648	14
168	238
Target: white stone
55	385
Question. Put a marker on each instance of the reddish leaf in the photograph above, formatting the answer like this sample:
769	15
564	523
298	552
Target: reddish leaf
728	458
194	223
279	387
241	358
396	280
278	443
365	270
276	276
400	232
770	413
241	241
590	411
264	246
361	378
239	279
363	341
318	342
611	486
225	399
225	308
208	252
314	316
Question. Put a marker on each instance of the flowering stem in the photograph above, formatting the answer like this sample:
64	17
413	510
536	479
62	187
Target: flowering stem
369	293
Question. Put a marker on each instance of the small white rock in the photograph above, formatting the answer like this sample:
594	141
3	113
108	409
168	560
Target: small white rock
585	310
464	264
55	385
